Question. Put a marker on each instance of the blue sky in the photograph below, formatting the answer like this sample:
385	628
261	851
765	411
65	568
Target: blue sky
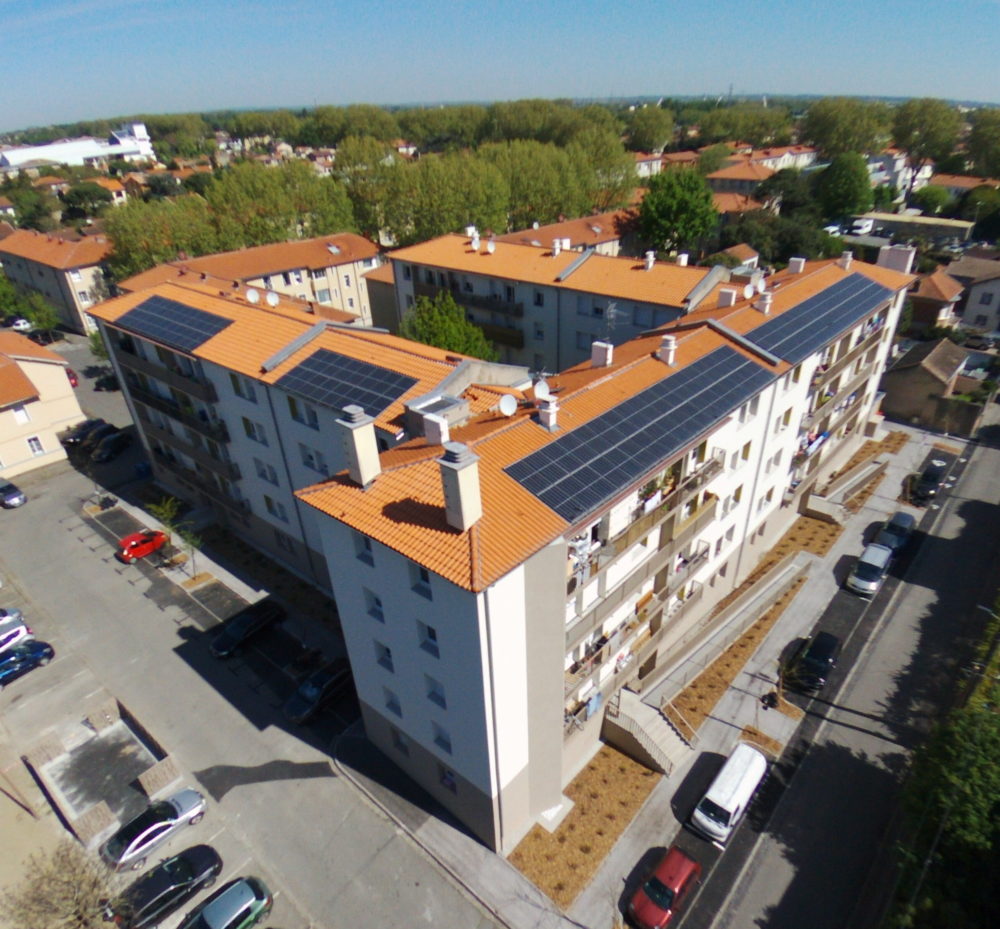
65	60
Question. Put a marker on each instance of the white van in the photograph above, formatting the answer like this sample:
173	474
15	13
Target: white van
720	810
862	226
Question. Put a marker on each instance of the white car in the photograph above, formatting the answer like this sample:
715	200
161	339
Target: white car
13	629
130	845
21	325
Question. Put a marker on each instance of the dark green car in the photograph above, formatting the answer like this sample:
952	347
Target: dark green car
239	904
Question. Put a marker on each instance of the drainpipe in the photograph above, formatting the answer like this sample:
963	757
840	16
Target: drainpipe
493	714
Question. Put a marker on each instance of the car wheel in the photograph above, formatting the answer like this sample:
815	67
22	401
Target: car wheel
196	819
138	864
43	661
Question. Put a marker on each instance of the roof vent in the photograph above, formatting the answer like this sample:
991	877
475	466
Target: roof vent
491	246
360	449
475	242
601	354
727	296
333	249
845	260
548	413
682	260
567	243
764	302
668	350
650	260
463	501
556	247
796	265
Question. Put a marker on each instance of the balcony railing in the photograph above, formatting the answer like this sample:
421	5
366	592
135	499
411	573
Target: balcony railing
831	403
464	298
214	429
834	368
202	483
222	466
191	384
503	335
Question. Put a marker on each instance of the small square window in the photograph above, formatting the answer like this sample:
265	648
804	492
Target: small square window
400	742
427	635
284	541
539	298
392	703
420	580
441	738
363	548
383	655
435	691
985	299
407	274
373	605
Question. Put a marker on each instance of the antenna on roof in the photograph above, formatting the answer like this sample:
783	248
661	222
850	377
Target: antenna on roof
252	295
508	404
272	298
748	291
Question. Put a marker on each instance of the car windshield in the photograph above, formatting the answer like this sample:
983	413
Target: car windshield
659	893
157	813
867	572
714	812
8	489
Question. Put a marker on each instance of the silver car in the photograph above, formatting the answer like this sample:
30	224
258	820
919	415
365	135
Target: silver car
13	629
130	845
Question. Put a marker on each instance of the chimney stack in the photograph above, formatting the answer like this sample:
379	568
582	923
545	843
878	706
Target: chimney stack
463	502
668	350
556	247
601	354
357	431
845	260
764	302
548	413
650	260
682	260
475	241
727	297
796	265
436	429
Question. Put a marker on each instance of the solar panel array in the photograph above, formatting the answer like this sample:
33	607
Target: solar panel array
585	468
173	324
334	380
806	328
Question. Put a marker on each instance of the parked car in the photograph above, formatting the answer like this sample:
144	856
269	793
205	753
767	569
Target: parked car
93	438
662	894
165	888
320	687
20	324
74	378
11	496
897	531
240	904
810	665
22	658
107	381
247	623
110	447
139	545
870	570
13	629
929	483
45	336
80	431
130	845
724	804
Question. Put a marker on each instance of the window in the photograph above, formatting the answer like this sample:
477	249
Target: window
745	452
75	276
730	533
441	738
266	471
539	298
982	321
347	280
392	702
363	548
373	605
428	638
985	298
303	412
718	546
435	691
318	274
737	495
420	580
313	459
407	274
399	741
35	445
350	303
597	310
254	430
383	655
539	331
276	508
734	460
447	779
83	297
796	374
297	277
284	542
21	415
323	295
466	284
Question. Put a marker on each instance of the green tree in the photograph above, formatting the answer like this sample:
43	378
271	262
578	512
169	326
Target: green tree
981	205
10	299
322	128
793	190
844	187
439	321
608	171
166	511
713	158
778	238
650	129
365	119
85	199
277	124
884	197
97	347
677	210
444	128
33	209
364	166
191	543
837	125
40	313
926	129
984	142
931	199
744	122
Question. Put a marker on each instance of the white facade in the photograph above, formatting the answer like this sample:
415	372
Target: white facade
130	143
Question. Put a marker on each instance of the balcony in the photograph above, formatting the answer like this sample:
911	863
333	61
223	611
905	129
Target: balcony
831	403
869	339
202	483
200	423
465	298
203	456
503	335
195	386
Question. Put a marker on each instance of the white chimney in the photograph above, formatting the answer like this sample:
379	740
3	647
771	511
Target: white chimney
491	246
601	354
471	232
796	265
650	260
845	260
435	429
463	502
475	242
668	349
357	432
764	302
556	247
548	412
727	296
682	259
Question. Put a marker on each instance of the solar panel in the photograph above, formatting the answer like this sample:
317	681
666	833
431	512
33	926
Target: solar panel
585	468
173	324
334	380
797	333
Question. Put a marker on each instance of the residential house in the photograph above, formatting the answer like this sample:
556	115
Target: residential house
6	208
69	274
647	164
780	157
503	576
381	285
744	254
687	159
958	185
934	299
113	186
51	184
730	206
891	168
743	177
36	403
980	307
602	232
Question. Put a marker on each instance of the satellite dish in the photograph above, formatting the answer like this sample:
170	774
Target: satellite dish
542	391
761	286
252	295
748	291
508	404
272	298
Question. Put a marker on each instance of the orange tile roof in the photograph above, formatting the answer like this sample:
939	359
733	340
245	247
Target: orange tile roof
383	274
645	156
967	182
15	345
743	171
54	251
587	230
108	183
248	263
680	158
624	278
5	203
939	285
741	252
776	152
735	203
49	180
15	384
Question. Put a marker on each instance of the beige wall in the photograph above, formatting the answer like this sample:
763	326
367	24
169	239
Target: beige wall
62	288
56	409
347	287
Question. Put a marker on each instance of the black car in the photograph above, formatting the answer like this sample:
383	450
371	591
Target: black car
93	438
79	432
245	624
322	686
165	888
929	483
812	662
22	658
110	447
107	382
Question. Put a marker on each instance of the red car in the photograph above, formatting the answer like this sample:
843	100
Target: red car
662	894
74	380
139	545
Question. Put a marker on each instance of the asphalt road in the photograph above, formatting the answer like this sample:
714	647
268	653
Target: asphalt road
811	852
276	802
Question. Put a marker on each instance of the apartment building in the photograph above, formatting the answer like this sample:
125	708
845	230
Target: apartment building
69	274
501	576
36	403
544	305
236	401
327	271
